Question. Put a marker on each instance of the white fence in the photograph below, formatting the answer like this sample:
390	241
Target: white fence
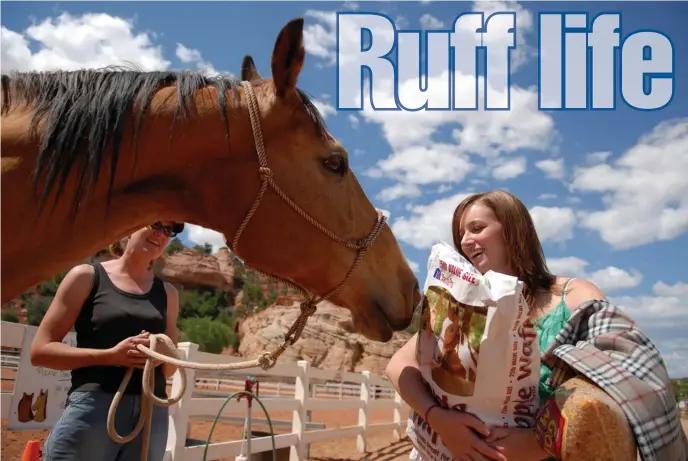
297	389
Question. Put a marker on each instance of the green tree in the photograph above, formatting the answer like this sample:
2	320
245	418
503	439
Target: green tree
253	291
175	246
36	308
680	389
205	249
212	336
201	303
8	316
272	293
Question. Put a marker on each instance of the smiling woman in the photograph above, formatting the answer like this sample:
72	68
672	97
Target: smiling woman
113	306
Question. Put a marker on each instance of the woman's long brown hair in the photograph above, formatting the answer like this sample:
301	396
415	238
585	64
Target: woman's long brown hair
524	251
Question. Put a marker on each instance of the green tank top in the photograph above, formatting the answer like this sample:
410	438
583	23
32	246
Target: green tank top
548	327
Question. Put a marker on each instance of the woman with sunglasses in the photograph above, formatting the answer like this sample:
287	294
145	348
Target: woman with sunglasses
113	306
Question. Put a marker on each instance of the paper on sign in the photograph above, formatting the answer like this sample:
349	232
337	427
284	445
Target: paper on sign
39	393
477	348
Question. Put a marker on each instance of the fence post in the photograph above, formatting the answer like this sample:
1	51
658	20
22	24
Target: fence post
363	412
179	413
298	425
396	433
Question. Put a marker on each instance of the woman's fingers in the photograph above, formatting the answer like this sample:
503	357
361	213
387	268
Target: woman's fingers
474	423
482	447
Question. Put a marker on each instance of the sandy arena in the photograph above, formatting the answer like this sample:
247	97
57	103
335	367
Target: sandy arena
381	445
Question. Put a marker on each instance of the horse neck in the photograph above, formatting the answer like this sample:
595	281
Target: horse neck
159	180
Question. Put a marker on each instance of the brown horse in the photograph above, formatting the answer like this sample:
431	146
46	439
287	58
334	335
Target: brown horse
179	146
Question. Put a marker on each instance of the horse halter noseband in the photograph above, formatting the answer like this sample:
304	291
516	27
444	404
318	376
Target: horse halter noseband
308	307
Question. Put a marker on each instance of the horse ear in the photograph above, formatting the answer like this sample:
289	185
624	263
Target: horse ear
248	70
288	56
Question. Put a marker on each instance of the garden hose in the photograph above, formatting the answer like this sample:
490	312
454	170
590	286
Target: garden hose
219	413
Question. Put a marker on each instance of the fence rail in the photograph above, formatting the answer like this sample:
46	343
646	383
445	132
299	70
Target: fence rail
298	389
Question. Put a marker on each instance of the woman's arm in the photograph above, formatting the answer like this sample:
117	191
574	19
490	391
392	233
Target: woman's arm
461	433
171	328
404	374
47	349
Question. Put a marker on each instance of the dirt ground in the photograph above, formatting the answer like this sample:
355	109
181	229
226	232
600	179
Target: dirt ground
381	445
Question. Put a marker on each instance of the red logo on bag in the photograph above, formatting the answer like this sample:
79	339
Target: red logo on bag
550	426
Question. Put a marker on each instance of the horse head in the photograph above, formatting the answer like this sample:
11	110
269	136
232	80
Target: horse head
205	150
312	225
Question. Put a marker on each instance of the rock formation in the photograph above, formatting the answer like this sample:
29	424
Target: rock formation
327	341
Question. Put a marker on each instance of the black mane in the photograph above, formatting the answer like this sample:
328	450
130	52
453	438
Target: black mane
85	114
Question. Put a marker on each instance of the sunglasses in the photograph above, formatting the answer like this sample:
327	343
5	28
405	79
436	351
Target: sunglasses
170	231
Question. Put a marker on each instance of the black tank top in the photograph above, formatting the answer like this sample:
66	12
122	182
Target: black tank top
109	316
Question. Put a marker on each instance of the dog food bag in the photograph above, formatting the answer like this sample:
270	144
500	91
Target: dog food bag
580	422
477	349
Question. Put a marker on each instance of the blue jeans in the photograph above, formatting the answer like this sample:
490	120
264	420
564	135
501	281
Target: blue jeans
81	432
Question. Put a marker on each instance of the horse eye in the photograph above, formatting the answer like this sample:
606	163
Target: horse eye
337	164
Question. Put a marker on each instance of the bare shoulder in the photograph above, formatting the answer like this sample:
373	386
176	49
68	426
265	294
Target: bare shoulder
580	291
78	277
81	269
172	294
170	289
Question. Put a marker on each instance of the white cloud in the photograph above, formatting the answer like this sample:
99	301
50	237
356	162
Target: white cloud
547	196
414	265
679	290
193	56
570	265
398	191
553	168
201	235
510	168
667	308
675	354
612	278
593	158
553	223
428	223
324	108
608	279
645	192
428	21
423	165
320	39
93	40
524	24
664	318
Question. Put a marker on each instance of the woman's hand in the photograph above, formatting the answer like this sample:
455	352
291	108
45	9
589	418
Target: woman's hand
519	444
464	435
125	353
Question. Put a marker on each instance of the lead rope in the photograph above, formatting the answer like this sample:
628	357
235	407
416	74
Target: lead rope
265	360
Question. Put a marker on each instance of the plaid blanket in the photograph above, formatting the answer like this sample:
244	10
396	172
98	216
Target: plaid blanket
601	342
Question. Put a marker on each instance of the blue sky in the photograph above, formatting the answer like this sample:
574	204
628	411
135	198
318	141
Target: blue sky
604	187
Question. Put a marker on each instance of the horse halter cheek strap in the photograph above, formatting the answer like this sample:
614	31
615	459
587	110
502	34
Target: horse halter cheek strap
309	306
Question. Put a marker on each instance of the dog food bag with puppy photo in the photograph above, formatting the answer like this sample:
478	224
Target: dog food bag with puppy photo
477	349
